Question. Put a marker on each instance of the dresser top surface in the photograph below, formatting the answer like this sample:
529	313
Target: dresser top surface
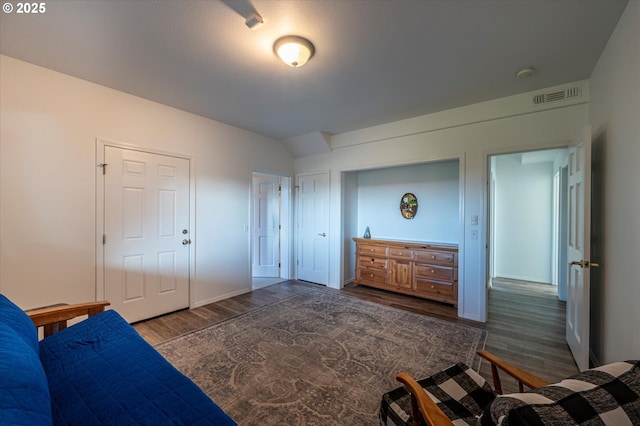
408	244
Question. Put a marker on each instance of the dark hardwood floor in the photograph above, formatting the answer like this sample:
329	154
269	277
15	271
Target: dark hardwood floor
525	326
157	330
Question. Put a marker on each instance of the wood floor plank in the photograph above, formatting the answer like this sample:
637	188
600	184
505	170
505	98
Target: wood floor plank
525	326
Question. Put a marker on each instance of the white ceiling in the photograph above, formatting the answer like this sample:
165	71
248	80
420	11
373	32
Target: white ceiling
376	61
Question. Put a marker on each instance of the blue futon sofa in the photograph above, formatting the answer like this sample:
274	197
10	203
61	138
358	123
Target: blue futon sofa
98	371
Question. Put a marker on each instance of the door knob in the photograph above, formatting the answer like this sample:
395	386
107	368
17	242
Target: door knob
324	234
186	242
584	264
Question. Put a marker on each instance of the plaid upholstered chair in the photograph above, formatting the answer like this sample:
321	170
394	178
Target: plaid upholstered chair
607	395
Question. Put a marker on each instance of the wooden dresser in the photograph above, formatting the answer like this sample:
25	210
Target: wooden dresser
422	269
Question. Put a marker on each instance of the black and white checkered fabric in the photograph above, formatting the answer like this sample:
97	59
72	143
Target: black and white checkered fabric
607	395
461	393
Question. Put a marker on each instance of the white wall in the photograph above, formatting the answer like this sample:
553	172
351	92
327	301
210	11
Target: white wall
615	120
523	219
349	227
435	185
49	123
468	134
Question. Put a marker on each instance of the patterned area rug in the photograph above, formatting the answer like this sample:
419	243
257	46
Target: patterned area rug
318	357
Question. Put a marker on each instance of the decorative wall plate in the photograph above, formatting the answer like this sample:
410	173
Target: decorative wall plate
408	206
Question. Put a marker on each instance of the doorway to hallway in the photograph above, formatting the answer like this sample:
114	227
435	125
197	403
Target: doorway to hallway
528	218
270	218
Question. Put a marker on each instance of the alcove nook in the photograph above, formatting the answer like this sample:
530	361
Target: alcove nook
372	199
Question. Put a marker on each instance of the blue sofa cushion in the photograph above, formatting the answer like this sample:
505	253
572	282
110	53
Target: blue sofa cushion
24	392
14	317
102	372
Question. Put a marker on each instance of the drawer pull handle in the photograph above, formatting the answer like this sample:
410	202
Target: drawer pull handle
373	260
373	250
399	253
433	256
433	286
371	275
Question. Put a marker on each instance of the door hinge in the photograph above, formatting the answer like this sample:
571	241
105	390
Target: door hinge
279	265
279	188
104	168
104	239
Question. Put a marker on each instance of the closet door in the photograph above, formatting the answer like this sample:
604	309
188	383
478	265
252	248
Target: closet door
313	228
146	233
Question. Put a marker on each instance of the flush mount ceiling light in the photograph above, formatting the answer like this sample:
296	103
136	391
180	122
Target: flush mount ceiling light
293	50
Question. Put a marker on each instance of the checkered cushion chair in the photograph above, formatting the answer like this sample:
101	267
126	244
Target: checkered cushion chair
461	394
608	395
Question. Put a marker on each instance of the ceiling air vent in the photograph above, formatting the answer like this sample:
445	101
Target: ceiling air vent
561	95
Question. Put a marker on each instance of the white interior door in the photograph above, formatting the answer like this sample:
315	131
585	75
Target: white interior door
266	226
146	233
313	227
578	247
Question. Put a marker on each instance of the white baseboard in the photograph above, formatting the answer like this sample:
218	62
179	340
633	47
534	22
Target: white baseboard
219	298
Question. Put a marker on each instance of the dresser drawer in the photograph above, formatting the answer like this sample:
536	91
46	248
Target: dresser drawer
435	272
400	253
435	257
375	250
434	287
370	262
372	276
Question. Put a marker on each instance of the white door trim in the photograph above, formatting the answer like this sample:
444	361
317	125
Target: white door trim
100	219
